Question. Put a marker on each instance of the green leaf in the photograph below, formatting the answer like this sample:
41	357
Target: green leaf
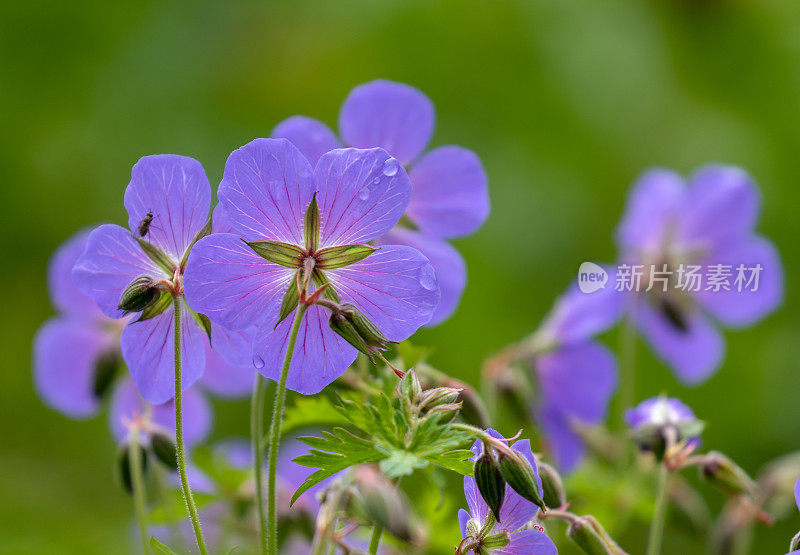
456	460
160	548
333	453
284	254
200	234
162	303
401	463
331	258
311	225
161	259
289	302
311	411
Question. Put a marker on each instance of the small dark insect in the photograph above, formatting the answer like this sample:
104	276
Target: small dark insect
144	225
675	315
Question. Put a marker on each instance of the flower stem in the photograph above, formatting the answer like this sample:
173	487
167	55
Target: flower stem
275	430
375	539
627	365
187	491
138	486
257	433
657	526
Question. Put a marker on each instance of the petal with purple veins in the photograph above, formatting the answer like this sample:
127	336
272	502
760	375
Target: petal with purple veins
743	305
389	115
265	189
175	190
395	287
312	137
111	260
65	354
528	542
693	354
463	519
449	192
320	355
229	362
362	194
447	262
148	348
232	285
652	207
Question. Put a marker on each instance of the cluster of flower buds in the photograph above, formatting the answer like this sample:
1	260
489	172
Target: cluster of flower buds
725	475
418	404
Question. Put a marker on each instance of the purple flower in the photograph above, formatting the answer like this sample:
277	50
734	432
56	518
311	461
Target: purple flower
706	226
577	375
449	197
515	512
265	191
658	411
173	194
75	351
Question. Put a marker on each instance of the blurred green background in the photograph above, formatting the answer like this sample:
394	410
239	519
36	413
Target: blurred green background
566	101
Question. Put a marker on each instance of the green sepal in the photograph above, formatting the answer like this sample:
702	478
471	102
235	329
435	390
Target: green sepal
518	474
162	303
321	279
495	541
278	252
159	257
202	320
311	225
490	482
331	258
206	230
289	302
164	449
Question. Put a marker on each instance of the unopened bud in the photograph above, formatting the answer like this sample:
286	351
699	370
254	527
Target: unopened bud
490	482
385	505
124	470
495	541
587	533
409	386
357	330
438	396
445	411
553	492
164	449
518	474
726	475
794	545
139	294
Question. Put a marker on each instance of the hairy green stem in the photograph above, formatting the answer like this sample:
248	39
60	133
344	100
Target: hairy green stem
275	431
660	515
138	486
187	491
257	433
375	539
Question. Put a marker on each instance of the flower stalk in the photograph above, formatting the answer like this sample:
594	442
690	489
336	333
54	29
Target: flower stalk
256	433
657	526
138	486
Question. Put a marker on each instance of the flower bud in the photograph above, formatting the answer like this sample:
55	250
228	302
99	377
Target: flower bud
409	386
385	505
438	396
105	370
490	482
590	536
138	295
553	492
726	475
357	330
123	466
518	474
449	410
164	449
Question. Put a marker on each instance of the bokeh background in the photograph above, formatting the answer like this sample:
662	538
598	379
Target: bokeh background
566	101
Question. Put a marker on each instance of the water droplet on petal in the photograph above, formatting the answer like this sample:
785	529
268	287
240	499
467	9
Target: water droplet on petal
258	362
363	193
390	167
427	277
376	180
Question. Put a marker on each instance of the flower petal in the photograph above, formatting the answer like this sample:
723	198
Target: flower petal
393	116
362	194
449	196
447	262
112	260
229	364
463	519
746	306
395	287
312	137
722	203
175	190
529	542
579	380
565	444
797	493
65	296
652	207
265	189
320	355
232	285
148	348
65	352
693	354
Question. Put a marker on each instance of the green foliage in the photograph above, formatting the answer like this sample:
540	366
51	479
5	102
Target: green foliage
307	412
160	548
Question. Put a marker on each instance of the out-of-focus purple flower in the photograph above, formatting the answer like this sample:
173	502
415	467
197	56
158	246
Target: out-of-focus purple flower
267	186
576	374
651	420
172	194
449	197
706	227
74	351
515	512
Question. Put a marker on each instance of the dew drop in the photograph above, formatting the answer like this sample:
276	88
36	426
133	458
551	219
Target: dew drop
258	362
427	278
376	180
363	193
390	167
